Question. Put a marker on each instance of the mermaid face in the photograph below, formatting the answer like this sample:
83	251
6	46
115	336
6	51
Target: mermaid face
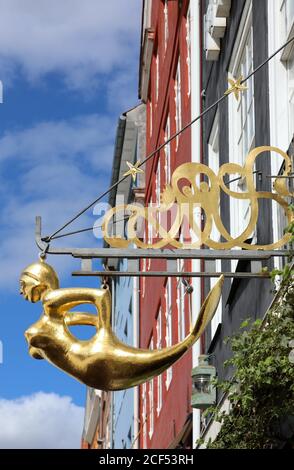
30	289
46	338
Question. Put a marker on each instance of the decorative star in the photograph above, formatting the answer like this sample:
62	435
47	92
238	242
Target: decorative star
134	170
236	87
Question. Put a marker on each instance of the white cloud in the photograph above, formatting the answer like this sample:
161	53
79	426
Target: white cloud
52	169
78	39
47	141
40	421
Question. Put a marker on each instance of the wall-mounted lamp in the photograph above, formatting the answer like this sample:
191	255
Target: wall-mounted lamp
203	392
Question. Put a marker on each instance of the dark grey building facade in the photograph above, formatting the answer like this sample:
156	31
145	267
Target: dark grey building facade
235	46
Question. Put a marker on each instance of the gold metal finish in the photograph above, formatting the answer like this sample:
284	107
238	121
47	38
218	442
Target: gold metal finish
183	199
134	170
236	87
102	362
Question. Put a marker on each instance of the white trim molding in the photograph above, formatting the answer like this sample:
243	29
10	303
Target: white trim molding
215	23
148	45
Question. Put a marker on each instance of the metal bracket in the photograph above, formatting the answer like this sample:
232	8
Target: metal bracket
171	256
238	275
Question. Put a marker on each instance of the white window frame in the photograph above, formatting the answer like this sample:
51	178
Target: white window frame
169	328
181	297
290	77
159	394
236	108
287	27
107	434
158	192
156	77
158	183
181	310
150	226
159	346
167	152
166	29
144	415
151	399
214	161
280	97
144	266
150	118
214	164
240	209
188	45
287	31
178	100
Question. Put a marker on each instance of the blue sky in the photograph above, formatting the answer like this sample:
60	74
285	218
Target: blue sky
68	69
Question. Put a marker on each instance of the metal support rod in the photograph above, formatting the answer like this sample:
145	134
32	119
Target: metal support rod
262	275
280	177
259	173
116	253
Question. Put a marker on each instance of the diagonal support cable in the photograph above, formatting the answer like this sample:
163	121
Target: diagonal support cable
154	152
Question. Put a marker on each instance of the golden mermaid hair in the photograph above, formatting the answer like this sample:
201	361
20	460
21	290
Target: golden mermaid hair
43	273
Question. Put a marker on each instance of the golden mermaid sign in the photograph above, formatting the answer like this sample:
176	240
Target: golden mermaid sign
182	199
102	362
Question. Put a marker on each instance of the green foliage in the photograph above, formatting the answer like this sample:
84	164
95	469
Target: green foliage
261	393
290	228
286	273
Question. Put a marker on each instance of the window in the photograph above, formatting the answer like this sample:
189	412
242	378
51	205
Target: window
144	269
281	96
107	435
167	168
290	69
144	415
151	401
287	10
159	394
168	319
181	309
159	346
158	183
188	44
166	32
181	298
150	226
150	119
178	101
156	77
213	162
287	56
214	266
157	195
241	120
243	110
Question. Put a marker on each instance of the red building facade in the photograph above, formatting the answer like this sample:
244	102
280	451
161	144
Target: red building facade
165	311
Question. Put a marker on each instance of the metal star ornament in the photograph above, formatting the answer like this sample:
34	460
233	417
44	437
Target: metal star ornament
134	170
236	87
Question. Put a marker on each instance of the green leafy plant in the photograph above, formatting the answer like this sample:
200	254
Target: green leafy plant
290	228
285	273
261	393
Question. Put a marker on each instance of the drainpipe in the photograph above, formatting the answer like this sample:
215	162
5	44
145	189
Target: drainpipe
196	146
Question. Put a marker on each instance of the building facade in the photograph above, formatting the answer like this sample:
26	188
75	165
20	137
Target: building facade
112	420
96	431
189	51
251	31
165	310
124	403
